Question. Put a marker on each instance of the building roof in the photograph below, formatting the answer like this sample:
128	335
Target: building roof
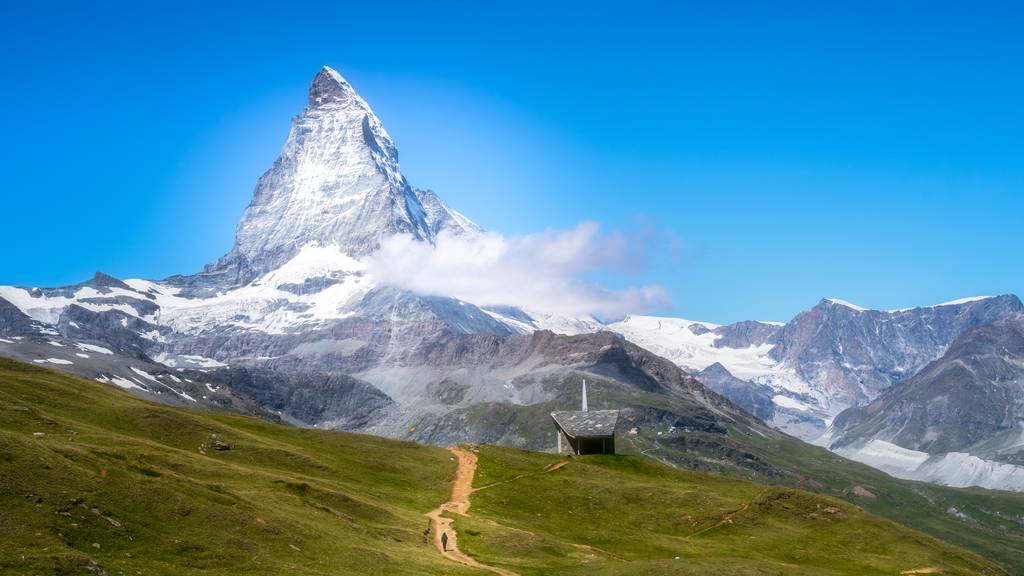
593	423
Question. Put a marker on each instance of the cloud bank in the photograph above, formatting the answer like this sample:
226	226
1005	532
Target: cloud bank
545	272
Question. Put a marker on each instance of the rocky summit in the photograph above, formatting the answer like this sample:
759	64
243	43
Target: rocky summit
337	183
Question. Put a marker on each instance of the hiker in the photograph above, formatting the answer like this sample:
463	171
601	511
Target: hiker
444	541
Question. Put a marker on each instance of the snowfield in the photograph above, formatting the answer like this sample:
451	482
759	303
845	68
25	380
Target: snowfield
957	469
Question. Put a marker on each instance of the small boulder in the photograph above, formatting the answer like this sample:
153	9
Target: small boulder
217	443
861	492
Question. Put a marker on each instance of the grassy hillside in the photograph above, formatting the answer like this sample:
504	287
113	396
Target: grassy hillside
628	515
989	522
128	485
93	480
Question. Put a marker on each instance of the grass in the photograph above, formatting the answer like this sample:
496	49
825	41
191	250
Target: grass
629	515
989	522
94	480
122	484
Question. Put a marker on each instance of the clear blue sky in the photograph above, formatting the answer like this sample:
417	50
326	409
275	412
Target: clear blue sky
778	153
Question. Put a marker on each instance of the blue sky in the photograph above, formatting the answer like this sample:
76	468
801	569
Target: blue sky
775	153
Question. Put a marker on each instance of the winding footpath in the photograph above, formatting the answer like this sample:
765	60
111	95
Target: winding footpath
458	504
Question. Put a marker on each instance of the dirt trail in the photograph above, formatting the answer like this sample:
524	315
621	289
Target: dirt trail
548	468
459	504
727	519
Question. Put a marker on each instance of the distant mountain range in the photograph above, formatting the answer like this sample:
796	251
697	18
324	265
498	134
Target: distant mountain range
292	325
832	360
959	421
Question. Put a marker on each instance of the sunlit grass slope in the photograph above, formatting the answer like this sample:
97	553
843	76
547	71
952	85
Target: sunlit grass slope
94	480
630	515
129	486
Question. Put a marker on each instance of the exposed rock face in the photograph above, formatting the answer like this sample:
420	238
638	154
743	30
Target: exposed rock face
307	398
959	421
122	331
754	398
853	354
14	322
972	396
746	334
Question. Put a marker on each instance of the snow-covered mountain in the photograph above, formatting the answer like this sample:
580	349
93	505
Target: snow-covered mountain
293	301
292	324
336	185
829	358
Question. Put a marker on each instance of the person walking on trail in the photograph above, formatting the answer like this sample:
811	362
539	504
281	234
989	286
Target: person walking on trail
444	541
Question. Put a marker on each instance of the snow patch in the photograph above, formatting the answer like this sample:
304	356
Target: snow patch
58	361
957	469
119	382
187	361
145	374
93	348
791	403
847	304
47	309
673	339
886	456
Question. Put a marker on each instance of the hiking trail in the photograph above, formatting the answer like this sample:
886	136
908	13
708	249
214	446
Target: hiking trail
459	504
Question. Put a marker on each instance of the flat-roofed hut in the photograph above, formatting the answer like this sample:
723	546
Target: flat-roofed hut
585	431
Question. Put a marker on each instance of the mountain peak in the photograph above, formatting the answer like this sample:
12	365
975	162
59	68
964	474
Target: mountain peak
337	182
329	86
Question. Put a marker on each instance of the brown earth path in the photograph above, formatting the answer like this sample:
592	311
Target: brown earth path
459	504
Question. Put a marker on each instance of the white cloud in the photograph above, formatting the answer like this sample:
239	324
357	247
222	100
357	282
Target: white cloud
544	272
